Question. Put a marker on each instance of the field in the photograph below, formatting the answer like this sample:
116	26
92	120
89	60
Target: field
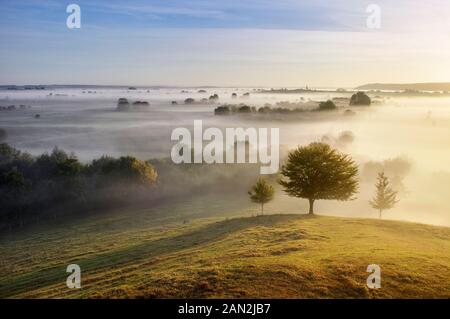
172	252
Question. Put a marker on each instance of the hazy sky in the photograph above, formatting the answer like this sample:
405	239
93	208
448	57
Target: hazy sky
227	42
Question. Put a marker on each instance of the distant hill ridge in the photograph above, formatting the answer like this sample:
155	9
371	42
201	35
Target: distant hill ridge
437	86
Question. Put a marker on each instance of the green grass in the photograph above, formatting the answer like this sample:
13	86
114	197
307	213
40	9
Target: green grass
155	253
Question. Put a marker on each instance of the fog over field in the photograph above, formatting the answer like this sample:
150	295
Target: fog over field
408	137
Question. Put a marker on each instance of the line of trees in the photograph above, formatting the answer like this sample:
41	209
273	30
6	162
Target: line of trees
57	184
33	187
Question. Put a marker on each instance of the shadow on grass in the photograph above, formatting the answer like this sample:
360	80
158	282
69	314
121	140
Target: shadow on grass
203	235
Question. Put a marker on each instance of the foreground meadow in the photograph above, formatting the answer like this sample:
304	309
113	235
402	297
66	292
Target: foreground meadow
149	253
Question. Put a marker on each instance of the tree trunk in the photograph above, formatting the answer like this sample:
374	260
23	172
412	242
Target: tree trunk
311	206
262	208
379	215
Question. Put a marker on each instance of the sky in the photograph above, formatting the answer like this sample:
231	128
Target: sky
283	43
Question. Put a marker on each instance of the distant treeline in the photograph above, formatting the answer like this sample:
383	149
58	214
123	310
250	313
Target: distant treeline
55	184
35	187
357	99
245	109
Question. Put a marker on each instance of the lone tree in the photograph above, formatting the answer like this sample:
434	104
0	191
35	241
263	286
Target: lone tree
262	193
318	171
385	197
360	98
327	106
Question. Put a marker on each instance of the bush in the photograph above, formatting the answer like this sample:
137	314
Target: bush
214	97
360	98
327	106
346	137
125	168
222	110
245	109
265	109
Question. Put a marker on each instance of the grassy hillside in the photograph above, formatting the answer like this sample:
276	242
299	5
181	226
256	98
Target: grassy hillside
280	256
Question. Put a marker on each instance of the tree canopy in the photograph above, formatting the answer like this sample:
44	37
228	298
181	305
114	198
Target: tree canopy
262	192
32	186
360	98
327	106
318	171
385	197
